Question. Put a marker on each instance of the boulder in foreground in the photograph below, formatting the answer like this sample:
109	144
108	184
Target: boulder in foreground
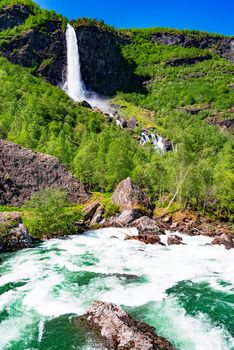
119	331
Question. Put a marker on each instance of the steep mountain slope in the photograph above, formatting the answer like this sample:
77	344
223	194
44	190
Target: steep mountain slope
188	84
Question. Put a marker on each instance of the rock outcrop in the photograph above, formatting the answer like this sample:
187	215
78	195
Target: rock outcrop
13	15
13	234
225	240
128	195
218	44
119	331
23	172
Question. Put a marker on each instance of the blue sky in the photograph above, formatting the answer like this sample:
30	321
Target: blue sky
210	15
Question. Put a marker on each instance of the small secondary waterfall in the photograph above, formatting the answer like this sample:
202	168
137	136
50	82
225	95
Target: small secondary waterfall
74	85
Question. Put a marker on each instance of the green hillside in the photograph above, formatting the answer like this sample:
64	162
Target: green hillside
181	98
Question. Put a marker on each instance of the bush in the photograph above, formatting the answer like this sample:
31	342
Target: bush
47	213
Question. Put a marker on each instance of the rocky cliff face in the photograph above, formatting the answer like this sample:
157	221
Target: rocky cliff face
11	16
103	67
23	172
222	46
104	70
42	48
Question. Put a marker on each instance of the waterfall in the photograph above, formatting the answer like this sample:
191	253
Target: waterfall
74	85
158	143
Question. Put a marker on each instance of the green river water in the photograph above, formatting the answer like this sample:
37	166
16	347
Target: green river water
186	292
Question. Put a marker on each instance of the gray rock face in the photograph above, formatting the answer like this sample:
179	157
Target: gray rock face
14	15
121	332
128	195
23	172
44	49
222	46
13	234
103	67
128	216
145	226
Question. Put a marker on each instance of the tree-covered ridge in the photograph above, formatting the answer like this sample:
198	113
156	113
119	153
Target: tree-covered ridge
180	99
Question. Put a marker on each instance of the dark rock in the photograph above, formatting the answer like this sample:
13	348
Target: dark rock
103	67
174	62
225	240
90	210
119	331
132	123
81	226
23	172
147	239
85	104
222	46
13	234
146	226
13	15
128	195
98	216
174	239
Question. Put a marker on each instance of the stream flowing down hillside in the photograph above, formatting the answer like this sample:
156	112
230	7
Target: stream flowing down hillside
185	291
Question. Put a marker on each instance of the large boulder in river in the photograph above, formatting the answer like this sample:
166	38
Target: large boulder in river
119	331
225	240
129	195
174	240
145	226
13	234
23	172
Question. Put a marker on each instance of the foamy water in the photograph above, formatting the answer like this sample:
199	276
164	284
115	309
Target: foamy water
63	277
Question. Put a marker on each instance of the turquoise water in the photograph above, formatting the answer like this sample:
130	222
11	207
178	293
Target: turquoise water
186	292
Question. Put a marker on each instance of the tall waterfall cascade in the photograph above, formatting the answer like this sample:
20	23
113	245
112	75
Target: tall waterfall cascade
74	85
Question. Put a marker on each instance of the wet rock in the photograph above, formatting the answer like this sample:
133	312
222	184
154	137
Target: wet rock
23	172
225	240
81	226
128	195
13	234
119	331
146	226
147	239
85	104
174	239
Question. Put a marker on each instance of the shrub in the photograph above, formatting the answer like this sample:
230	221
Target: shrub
48	214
